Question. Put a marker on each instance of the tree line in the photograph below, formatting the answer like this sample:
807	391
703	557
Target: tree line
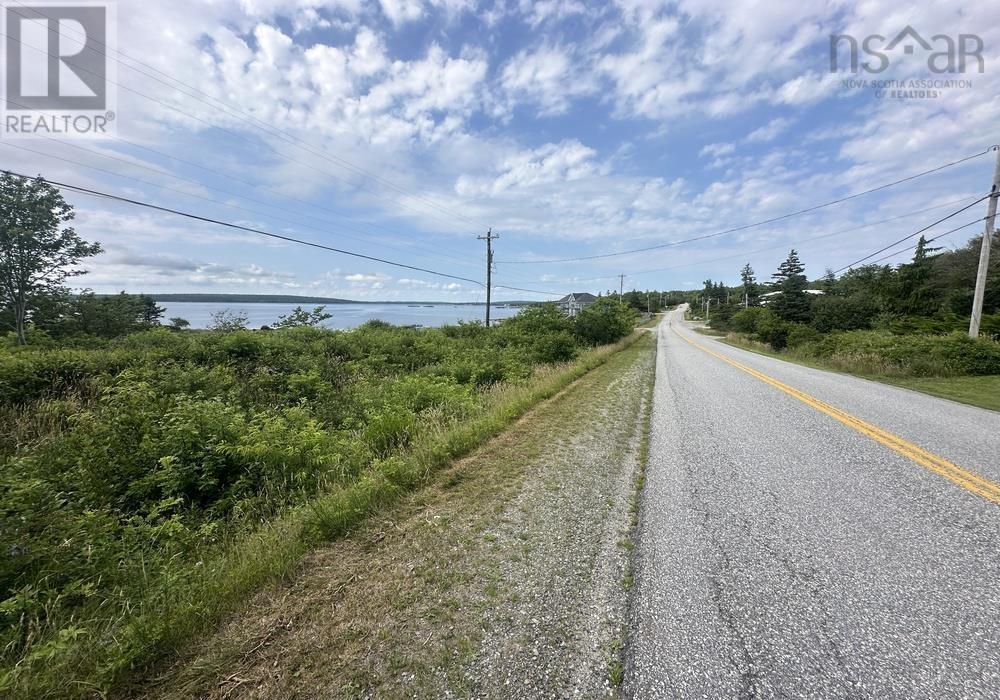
932	293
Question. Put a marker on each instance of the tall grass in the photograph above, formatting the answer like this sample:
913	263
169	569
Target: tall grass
99	643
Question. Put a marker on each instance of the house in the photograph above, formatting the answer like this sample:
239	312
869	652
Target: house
765	298
572	303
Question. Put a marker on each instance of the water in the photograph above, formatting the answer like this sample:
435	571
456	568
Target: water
199	313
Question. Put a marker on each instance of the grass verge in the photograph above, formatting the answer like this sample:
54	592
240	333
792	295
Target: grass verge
395	608
980	391
107	658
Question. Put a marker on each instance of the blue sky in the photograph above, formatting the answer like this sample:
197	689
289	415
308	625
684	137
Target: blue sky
402	129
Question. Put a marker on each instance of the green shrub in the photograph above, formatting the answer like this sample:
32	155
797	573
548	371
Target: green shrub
746	320
128	461
604	321
835	313
799	334
772	330
916	355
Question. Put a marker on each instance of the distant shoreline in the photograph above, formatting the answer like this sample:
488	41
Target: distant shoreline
292	299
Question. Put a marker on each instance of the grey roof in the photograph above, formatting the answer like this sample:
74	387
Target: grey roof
585	297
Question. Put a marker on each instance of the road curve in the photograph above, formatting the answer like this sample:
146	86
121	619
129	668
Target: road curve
787	550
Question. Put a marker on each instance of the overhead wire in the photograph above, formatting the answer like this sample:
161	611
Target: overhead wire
247	117
267	146
198	183
792	242
915	233
755	224
929	240
241	227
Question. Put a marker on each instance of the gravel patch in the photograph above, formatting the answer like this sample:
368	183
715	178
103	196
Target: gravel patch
557	607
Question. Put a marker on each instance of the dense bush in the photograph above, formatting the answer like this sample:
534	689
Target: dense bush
122	461
835	313
746	320
917	355
604	321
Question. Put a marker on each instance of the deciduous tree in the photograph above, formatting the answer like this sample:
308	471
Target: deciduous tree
37	252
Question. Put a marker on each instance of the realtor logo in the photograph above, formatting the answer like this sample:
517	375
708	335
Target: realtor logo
58	77
942	53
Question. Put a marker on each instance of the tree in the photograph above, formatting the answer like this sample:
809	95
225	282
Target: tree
749	285
300	318
226	321
178	324
604	321
115	315
793	303
829	282
917	294
36	253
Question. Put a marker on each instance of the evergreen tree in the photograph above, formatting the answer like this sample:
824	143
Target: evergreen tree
917	293
749	285
793	303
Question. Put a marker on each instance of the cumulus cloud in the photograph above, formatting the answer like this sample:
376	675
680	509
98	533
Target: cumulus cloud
396	115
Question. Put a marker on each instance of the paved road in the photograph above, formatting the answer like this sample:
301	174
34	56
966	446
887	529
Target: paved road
785	553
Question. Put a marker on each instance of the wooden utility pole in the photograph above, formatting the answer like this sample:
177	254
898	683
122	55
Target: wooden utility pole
621	286
984	251
489	238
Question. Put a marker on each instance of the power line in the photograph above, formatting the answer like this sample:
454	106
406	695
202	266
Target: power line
240	227
269	190
794	242
751	225
915	233
198	183
533	291
929	240
269	147
250	118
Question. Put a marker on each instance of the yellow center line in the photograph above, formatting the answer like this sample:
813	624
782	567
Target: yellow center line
964	478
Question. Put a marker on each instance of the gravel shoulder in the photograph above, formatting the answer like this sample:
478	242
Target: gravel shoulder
507	577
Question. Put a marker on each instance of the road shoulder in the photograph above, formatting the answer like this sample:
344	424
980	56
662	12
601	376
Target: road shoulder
504	577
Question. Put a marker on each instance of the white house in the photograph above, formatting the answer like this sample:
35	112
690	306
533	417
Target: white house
572	303
765	298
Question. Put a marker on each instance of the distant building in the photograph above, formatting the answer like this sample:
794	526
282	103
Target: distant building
572	303
765	298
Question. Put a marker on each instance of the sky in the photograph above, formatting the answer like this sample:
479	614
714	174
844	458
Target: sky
405	129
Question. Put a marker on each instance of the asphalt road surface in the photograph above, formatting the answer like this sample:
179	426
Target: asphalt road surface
809	534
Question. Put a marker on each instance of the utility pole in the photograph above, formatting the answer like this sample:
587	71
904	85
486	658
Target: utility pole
489	238
984	252
621	286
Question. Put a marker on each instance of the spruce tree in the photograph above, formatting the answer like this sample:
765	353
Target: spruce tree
749	285
793	303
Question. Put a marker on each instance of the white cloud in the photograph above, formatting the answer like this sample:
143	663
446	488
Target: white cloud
545	76
769	131
717	149
402	11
